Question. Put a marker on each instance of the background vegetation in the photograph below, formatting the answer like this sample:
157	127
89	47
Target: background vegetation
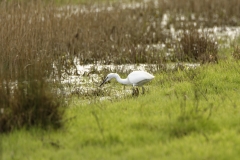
187	113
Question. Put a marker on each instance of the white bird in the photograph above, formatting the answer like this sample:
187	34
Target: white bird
135	78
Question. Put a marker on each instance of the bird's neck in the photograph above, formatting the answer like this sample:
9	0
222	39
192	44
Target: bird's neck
123	81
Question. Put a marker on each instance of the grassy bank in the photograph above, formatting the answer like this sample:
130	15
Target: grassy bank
190	114
186	113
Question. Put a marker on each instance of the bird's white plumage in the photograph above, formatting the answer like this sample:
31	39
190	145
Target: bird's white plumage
135	78
139	78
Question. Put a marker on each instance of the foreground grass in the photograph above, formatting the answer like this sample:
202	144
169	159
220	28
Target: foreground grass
190	114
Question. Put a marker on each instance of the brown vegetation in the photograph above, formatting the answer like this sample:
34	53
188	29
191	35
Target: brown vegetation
197	47
39	41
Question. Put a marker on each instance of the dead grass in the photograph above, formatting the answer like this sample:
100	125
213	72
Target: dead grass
109	36
30	103
236	53
197	47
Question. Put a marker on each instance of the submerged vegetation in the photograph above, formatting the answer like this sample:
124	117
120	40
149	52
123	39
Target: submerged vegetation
185	111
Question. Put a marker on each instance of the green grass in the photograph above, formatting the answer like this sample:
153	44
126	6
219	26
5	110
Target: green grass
190	114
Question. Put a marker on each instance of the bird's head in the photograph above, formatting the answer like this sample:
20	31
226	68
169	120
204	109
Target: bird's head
108	77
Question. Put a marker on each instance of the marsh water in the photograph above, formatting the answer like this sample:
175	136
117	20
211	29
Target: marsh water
85	78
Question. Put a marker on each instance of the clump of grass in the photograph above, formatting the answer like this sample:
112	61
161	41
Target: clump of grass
192	119
195	46
187	124
236	53
27	75
29	101
113	35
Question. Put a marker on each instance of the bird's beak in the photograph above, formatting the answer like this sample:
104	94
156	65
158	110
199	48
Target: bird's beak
103	82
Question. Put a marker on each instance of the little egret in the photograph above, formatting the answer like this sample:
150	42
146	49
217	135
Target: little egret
135	78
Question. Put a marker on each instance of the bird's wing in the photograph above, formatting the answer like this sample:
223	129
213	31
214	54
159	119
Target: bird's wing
139	77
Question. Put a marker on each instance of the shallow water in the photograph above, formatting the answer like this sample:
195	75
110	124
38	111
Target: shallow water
90	76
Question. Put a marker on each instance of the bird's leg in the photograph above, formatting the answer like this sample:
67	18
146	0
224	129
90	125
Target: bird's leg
137	92
133	89
143	90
